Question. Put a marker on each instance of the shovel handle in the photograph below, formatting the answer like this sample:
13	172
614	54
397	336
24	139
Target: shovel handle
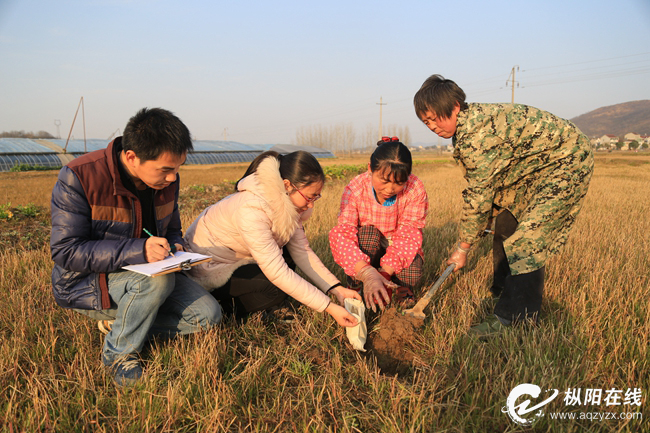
427	297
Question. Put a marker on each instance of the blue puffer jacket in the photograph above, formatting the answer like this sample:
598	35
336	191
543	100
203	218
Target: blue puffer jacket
96	224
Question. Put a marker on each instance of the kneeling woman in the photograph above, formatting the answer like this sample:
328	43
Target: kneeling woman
378	237
256	239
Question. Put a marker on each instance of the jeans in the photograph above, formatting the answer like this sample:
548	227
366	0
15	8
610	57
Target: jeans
165	305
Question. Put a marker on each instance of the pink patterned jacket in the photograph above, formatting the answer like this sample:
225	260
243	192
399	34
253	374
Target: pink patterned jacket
400	223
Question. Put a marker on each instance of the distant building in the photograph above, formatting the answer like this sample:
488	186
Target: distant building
642	140
608	139
416	148
605	142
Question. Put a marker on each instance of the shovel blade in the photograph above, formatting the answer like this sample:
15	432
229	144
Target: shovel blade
417	313
418	310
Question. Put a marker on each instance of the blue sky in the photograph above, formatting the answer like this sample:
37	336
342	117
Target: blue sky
261	70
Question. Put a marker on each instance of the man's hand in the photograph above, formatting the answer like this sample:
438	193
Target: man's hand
156	249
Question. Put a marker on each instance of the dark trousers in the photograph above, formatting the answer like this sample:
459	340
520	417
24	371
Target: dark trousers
520	296
373	244
248	290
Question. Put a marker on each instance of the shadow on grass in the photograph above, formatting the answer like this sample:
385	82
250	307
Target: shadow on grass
480	374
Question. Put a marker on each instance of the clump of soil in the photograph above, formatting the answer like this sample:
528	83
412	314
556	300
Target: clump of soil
389	343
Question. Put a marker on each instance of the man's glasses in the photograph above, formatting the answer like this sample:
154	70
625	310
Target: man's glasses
308	200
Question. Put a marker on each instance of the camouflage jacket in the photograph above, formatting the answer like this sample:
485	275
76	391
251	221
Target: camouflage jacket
506	150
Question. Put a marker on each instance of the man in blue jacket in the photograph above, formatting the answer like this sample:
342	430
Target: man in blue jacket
104	204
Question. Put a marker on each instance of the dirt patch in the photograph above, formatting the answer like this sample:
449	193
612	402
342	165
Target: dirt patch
316	356
389	342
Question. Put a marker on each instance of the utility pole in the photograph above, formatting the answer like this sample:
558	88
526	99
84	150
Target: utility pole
83	115
513	81
57	122
114	134
225	134
380	108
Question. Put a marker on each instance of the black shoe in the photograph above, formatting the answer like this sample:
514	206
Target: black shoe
522	295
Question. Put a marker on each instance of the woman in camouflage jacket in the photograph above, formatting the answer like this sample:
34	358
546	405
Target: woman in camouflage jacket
530	168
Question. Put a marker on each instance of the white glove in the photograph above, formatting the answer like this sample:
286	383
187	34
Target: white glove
374	288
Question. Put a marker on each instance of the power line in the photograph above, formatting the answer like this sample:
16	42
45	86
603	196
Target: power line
290	124
590	77
598	72
588	61
361	108
585	69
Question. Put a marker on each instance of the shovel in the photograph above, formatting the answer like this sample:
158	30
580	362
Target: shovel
418	310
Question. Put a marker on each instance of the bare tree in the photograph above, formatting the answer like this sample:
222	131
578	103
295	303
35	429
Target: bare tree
405	135
23	134
342	138
402	132
338	138
369	137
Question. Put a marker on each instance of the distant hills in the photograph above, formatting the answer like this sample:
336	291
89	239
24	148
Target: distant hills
616	119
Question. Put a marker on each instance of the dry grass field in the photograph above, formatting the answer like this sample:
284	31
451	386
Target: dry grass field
594	333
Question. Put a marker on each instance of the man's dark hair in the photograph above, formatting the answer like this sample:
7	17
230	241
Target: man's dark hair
439	96
392	157
154	131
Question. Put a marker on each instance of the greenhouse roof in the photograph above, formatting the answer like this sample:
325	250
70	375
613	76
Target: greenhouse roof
54	153
224	146
77	146
27	145
21	145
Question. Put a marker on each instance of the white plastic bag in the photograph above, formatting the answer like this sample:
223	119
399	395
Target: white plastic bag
357	334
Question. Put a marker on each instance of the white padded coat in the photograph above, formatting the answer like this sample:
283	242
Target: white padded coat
251	226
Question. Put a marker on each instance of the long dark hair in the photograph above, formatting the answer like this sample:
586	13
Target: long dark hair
393	156
300	168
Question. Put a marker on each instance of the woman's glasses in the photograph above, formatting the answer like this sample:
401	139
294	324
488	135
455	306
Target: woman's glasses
308	200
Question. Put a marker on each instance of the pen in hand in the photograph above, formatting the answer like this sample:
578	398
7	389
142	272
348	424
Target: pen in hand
172	249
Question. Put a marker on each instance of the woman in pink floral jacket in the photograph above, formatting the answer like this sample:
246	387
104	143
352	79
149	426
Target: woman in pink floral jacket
378	238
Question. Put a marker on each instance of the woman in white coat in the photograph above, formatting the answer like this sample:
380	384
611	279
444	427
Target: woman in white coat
256	239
